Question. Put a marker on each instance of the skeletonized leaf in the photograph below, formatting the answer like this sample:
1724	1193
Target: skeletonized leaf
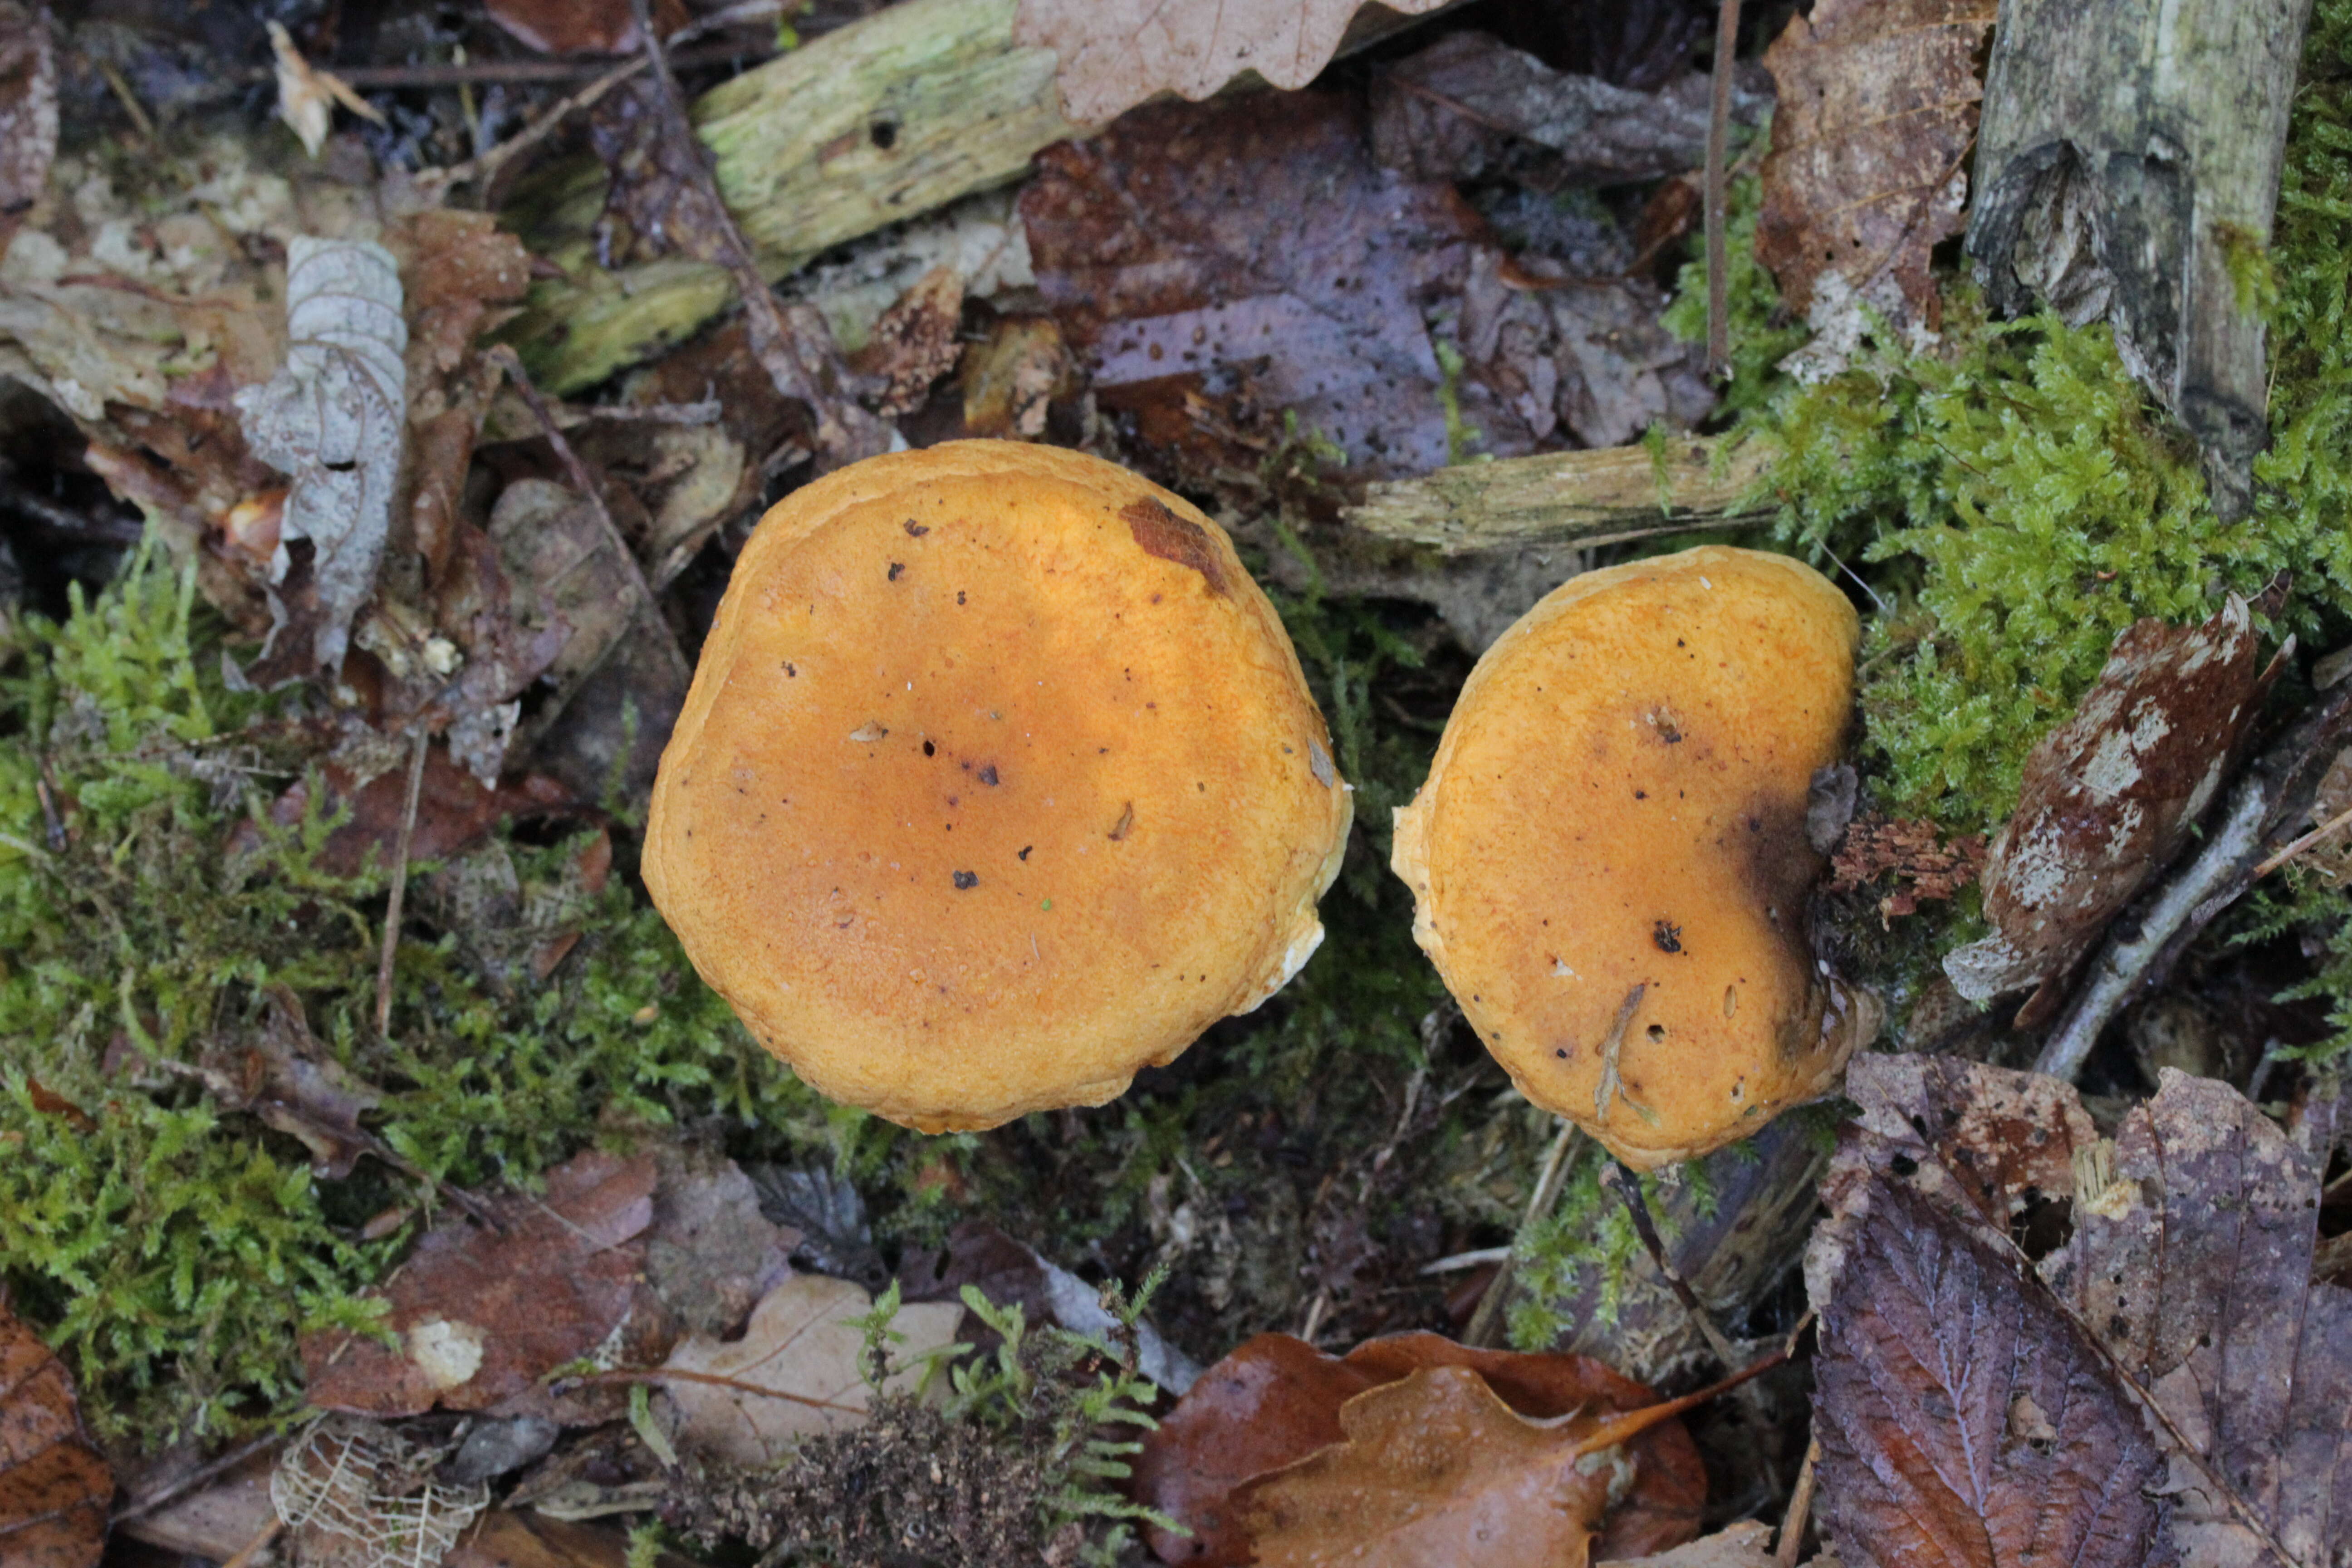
1877	111
1114	54
54	1488
333	418
2109	797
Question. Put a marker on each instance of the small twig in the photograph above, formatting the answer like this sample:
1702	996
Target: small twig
125	97
250	1553
399	884
1549	1181
489	72
1716	202
1800	1509
672	1375
139	1508
1629	1191
2333	825
1457	1262
485	166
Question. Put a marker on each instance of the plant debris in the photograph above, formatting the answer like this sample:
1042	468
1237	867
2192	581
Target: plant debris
54	1487
481	1314
1925	865
1877	113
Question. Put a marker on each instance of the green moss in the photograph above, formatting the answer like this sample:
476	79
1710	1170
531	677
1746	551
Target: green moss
174	1250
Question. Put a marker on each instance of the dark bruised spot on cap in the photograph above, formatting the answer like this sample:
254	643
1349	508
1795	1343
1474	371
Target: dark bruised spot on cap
1161	532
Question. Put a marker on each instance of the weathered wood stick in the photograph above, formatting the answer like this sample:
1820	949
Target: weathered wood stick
880	121
1584	498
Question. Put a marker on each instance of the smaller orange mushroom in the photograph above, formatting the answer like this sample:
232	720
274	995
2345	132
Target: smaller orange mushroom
1609	860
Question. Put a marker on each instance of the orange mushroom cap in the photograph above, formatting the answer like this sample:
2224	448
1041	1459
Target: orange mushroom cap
1609	860
997	781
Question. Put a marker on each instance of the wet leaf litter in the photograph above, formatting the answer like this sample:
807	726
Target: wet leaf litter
391	409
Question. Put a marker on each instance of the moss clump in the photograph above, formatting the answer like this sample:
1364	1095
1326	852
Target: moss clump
174	1249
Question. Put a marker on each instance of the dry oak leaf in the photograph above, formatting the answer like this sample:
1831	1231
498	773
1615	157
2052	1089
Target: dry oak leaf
1877	111
2109	798
1436	1470
802	1348
2184	1249
1277	1401
482	1315
54	1488
1111	55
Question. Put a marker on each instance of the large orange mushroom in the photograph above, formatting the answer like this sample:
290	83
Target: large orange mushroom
1610	861
997	781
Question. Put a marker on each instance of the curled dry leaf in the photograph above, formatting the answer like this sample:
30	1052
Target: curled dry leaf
54	1487
333	418
1877	113
479	1315
2182	1251
798	1369
306	96
1277	1401
1010	379
1111	55
2109	797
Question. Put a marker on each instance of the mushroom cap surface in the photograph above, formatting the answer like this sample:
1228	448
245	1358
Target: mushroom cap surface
997	781
1609	860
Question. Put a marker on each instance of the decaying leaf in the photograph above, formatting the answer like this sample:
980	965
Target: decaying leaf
1434	1470
526	1538
333	420
357	1494
2182	1252
480	1315
1253	255
824	1208
1924	867
28	111
581	26
2109	797
1870	142
1010	379
1464	105
281	1073
1742	1545
454	810
1963	1418
54	1487
710	1254
1114	54
803	1350
914	342
1277	1401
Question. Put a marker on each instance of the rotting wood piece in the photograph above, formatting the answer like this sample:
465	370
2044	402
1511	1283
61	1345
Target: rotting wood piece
2129	169
1584	498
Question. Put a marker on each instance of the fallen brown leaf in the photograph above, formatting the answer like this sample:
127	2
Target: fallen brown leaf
523	1538
2183	1251
580	27
1434	1470
280	1073
1277	1401
2109	797
1741	1545
54	1488
455	811
710	1254
914	342
798	1369
480	1315
1114	54
1877	111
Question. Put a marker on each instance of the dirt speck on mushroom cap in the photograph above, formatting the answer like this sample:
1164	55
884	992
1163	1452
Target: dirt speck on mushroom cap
1032	805
1619	804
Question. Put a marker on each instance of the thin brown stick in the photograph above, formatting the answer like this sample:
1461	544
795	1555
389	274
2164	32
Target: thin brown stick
399	884
1800	1507
1629	1191
1717	206
1634	1422
140	1507
484	166
514	72
1549	1181
672	1375
2333	825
